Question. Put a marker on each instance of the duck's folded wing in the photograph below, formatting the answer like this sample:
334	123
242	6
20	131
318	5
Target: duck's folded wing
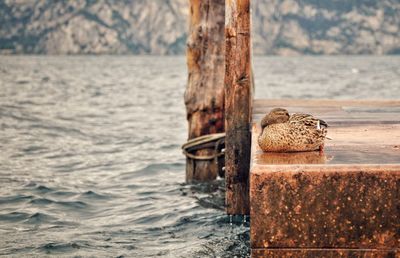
307	120
300	117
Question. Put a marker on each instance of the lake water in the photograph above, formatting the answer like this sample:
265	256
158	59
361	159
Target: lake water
90	159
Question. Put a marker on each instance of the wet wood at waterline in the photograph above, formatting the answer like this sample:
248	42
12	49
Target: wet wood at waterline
204	96
238	100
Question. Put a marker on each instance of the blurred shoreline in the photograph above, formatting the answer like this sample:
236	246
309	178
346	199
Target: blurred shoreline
285	28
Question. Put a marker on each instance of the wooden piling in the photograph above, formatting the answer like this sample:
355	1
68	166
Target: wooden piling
204	96
238	101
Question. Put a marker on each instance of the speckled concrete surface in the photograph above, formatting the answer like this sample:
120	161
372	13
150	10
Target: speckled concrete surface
313	253
344	202
316	209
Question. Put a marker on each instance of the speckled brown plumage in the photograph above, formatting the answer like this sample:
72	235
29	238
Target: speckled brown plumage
298	132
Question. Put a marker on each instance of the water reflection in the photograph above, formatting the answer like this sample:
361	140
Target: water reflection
310	157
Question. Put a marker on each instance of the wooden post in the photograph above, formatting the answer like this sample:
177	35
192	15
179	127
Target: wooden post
204	96
238	102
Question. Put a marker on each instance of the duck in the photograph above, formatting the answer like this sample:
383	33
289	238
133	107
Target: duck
282	132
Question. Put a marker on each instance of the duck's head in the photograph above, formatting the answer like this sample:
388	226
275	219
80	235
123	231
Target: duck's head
275	116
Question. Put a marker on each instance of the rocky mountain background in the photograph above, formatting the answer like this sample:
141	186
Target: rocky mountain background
282	27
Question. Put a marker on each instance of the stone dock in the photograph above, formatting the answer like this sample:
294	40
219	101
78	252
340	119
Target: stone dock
344	202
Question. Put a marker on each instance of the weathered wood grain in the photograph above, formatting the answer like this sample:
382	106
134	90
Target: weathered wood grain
204	96
238	105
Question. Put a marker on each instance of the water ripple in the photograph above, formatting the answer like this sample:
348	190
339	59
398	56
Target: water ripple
91	165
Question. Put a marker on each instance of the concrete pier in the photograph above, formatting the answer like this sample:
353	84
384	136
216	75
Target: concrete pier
340	203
